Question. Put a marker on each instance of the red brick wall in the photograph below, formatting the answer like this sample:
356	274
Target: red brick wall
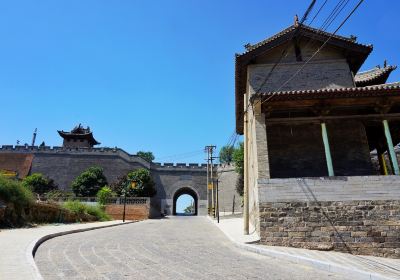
132	211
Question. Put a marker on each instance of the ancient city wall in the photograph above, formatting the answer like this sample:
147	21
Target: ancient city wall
230	202
63	165
359	215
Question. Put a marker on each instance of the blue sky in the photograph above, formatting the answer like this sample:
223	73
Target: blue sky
182	202
147	75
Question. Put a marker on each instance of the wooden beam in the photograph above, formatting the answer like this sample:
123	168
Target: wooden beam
392	153
377	117
327	150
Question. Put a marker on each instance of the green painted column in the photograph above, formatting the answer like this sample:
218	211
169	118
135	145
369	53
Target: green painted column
327	150
392	154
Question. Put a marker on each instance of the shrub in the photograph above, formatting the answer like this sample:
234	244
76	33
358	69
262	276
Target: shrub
38	183
12	191
81	209
89	182
104	194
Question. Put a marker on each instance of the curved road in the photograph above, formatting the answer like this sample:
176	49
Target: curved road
173	248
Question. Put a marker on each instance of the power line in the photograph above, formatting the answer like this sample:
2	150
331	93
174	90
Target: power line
284	52
181	155
319	10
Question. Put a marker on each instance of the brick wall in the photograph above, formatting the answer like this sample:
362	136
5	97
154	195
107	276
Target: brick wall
132	211
358	214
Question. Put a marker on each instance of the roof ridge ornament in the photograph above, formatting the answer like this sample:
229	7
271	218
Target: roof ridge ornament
248	46
296	21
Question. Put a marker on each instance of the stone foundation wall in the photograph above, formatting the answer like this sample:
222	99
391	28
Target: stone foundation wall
357	227
358	215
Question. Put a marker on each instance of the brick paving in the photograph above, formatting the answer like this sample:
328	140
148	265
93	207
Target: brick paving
173	248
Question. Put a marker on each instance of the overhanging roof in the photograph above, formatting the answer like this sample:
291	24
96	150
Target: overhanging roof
392	89
374	76
355	54
86	136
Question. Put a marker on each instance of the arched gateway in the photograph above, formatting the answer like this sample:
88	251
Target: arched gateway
188	191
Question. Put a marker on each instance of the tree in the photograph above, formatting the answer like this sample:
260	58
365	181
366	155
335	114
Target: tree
144	184
226	154
189	209
89	182
37	183
238	159
148	156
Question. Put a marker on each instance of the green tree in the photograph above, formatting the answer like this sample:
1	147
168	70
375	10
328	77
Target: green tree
189	209
226	154
89	182
238	159
144	184
37	183
104	194
146	155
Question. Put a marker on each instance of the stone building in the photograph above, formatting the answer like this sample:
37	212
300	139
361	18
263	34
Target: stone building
310	123
64	164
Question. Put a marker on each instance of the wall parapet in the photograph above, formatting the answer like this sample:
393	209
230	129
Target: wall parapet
330	189
103	151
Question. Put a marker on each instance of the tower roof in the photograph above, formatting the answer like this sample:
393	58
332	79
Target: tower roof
373	76
354	52
79	132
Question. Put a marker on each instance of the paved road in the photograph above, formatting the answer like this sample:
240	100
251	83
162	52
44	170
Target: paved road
174	248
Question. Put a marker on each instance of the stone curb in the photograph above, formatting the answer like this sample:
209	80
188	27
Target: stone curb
34	245
315	263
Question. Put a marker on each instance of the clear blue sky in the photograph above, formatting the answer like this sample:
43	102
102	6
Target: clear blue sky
147	75
182	202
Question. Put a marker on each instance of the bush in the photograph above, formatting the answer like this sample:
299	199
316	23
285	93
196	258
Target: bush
38	183
104	194
89	182
14	192
81	209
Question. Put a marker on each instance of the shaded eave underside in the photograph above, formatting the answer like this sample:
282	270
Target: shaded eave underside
357	53
392	89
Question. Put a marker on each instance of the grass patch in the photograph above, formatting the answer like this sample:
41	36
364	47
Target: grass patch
80	208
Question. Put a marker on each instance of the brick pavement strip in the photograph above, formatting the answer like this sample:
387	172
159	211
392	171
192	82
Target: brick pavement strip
171	248
17	246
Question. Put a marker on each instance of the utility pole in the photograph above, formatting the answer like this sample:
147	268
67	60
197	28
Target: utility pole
208	179
34	137
210	182
217	199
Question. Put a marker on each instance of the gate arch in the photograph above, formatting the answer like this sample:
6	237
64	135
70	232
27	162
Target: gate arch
188	191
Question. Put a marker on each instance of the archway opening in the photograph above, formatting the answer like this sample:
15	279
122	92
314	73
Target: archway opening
185	202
